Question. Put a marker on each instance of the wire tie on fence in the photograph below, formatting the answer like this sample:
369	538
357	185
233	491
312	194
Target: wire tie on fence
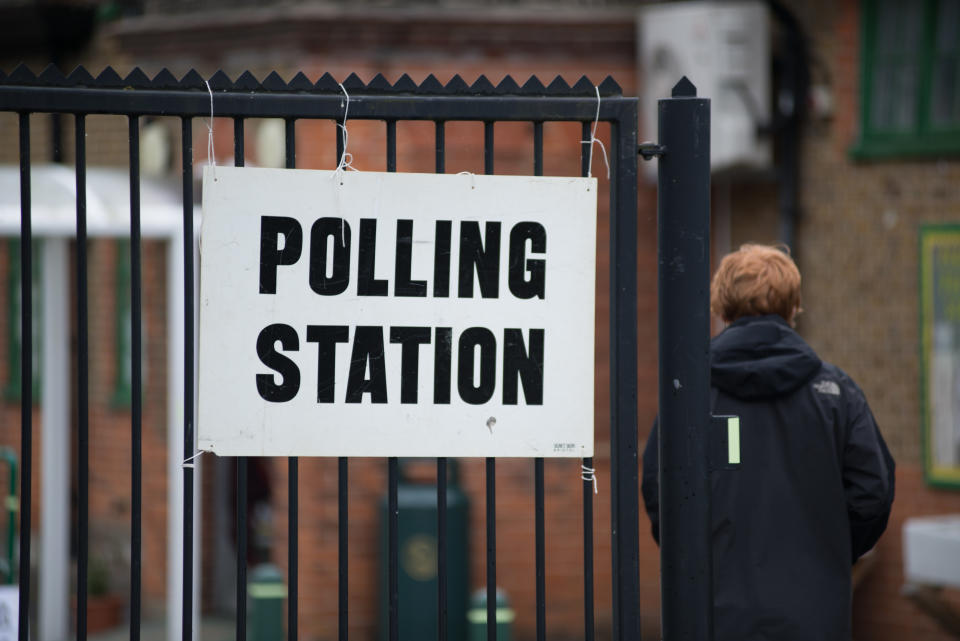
589	474
211	153
594	139
468	173
188	462
346	158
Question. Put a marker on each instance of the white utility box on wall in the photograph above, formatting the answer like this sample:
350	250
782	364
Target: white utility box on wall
724	49
931	550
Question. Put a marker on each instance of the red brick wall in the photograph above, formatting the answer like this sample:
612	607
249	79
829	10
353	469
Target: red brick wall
856	247
109	423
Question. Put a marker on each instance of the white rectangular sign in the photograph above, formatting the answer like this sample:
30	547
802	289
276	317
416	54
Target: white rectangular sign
383	314
9	612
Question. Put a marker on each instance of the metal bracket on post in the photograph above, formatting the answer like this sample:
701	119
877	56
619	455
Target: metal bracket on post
650	150
683	248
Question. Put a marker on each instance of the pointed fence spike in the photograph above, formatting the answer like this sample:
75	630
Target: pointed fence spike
109	78
80	77
193	80
379	83
405	84
532	86
354	83
300	82
247	82
508	86
584	87
430	85
165	80
220	81
52	75
274	82
21	76
684	88
327	84
137	79
558	87
456	85
609	87
482	86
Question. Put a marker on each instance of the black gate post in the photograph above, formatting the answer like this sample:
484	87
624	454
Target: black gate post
624	467
683	222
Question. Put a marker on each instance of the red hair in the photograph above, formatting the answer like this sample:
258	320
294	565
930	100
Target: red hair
756	280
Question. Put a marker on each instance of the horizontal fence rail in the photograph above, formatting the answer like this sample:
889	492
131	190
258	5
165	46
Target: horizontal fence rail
137	96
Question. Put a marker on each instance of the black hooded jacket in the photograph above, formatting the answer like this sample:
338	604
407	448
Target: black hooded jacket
813	492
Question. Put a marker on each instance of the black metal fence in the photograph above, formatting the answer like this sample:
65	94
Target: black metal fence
136	97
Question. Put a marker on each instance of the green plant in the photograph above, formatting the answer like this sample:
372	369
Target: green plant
98	578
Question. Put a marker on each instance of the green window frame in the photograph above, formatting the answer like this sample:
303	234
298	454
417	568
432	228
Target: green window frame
910	79
123	326
12	390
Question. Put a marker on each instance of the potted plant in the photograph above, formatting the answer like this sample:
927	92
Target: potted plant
104	605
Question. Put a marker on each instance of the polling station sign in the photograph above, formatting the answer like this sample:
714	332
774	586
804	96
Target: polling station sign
386	314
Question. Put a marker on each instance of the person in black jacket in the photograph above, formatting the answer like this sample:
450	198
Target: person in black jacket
816	483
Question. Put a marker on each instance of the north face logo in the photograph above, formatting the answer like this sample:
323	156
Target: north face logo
827	387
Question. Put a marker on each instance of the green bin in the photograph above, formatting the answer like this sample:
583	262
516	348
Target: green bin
477	616
417	583
266	592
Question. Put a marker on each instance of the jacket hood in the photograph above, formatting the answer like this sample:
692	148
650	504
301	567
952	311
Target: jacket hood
761	357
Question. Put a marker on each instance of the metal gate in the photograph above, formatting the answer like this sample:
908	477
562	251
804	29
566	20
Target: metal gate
296	101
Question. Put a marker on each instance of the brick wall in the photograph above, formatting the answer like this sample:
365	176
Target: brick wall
856	247
109	422
494	49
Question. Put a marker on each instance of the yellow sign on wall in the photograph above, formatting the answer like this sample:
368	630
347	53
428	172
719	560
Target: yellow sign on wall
940	351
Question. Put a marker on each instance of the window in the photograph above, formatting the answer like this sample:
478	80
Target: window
910	78
14	335
940	352
123	385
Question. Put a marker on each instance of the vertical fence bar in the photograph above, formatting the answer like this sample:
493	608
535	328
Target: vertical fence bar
683	221
391	145
136	409
242	461
540	550
624	467
440	162
440	148
342	560
343	529
488	147
393	518
588	611
186	133
83	384
26	377
442	549
293	463
339	146
488	151
241	596
393	523
539	525
491	549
